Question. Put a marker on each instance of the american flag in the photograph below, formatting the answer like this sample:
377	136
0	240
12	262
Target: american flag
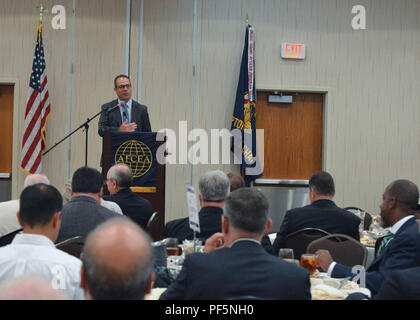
37	112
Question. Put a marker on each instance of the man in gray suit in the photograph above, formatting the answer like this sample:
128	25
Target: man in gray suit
83	212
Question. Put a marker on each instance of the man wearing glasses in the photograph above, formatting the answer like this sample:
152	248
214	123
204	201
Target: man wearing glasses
127	115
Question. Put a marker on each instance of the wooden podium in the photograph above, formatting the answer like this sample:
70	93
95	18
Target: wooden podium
156	193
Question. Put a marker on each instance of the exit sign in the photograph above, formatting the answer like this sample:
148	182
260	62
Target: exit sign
293	50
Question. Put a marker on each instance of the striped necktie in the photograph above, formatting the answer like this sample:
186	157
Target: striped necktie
384	242
125	112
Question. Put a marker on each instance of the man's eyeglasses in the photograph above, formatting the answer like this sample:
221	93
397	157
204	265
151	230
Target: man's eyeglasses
122	86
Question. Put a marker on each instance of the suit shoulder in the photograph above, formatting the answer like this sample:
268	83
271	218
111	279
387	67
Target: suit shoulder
176	222
109	104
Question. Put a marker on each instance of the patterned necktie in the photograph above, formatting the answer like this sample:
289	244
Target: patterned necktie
384	242
125	112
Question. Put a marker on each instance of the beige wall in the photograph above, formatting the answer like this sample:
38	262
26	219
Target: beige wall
371	78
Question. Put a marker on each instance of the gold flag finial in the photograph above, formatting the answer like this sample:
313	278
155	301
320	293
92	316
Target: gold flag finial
42	11
246	19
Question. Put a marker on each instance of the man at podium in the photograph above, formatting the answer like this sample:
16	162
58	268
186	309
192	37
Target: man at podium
124	114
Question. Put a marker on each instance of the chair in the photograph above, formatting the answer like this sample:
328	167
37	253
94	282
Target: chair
153	224
343	249
367	221
300	239
73	246
8	238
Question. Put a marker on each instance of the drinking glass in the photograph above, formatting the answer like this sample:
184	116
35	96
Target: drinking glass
172	248
287	254
308	261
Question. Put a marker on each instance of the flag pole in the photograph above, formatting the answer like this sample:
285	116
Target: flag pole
42	11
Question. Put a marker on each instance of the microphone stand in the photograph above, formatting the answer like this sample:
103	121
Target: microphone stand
86	126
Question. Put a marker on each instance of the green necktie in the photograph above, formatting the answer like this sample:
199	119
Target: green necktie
384	242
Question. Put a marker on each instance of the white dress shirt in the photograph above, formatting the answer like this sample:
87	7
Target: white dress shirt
394	229
111	205
34	254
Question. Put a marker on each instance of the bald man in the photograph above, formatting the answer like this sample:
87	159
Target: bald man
117	262
119	180
9	209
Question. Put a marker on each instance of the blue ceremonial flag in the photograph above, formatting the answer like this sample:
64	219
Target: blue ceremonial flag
243	120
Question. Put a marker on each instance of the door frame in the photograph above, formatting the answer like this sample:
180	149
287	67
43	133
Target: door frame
326	91
16	176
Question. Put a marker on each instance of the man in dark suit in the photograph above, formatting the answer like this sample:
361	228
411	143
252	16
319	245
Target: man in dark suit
131	116
83	212
119	181
399	250
401	285
214	187
322	213
137	118
235	264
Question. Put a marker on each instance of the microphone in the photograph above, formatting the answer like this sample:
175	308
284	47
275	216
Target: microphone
113	108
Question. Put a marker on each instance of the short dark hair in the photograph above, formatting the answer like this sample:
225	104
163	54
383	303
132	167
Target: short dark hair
38	204
323	183
406	193
236	181
120	76
247	210
87	180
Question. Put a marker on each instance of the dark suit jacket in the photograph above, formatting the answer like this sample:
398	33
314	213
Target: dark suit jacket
112	121
132	205
210	223
245	269
402	252
80	216
401	285
322	214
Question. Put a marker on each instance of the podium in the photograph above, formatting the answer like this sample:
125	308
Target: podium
139	151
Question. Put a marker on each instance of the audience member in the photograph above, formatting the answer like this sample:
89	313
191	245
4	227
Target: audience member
214	187
30	288
107	204
236	181
236	265
83	212
322	213
117	262
9	209
33	252
119	181
401	250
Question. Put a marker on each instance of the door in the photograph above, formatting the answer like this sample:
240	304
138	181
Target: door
292	149
6	140
292	135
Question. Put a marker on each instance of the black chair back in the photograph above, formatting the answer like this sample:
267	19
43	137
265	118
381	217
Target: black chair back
343	249
300	239
367	221
153	224
73	246
8	238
